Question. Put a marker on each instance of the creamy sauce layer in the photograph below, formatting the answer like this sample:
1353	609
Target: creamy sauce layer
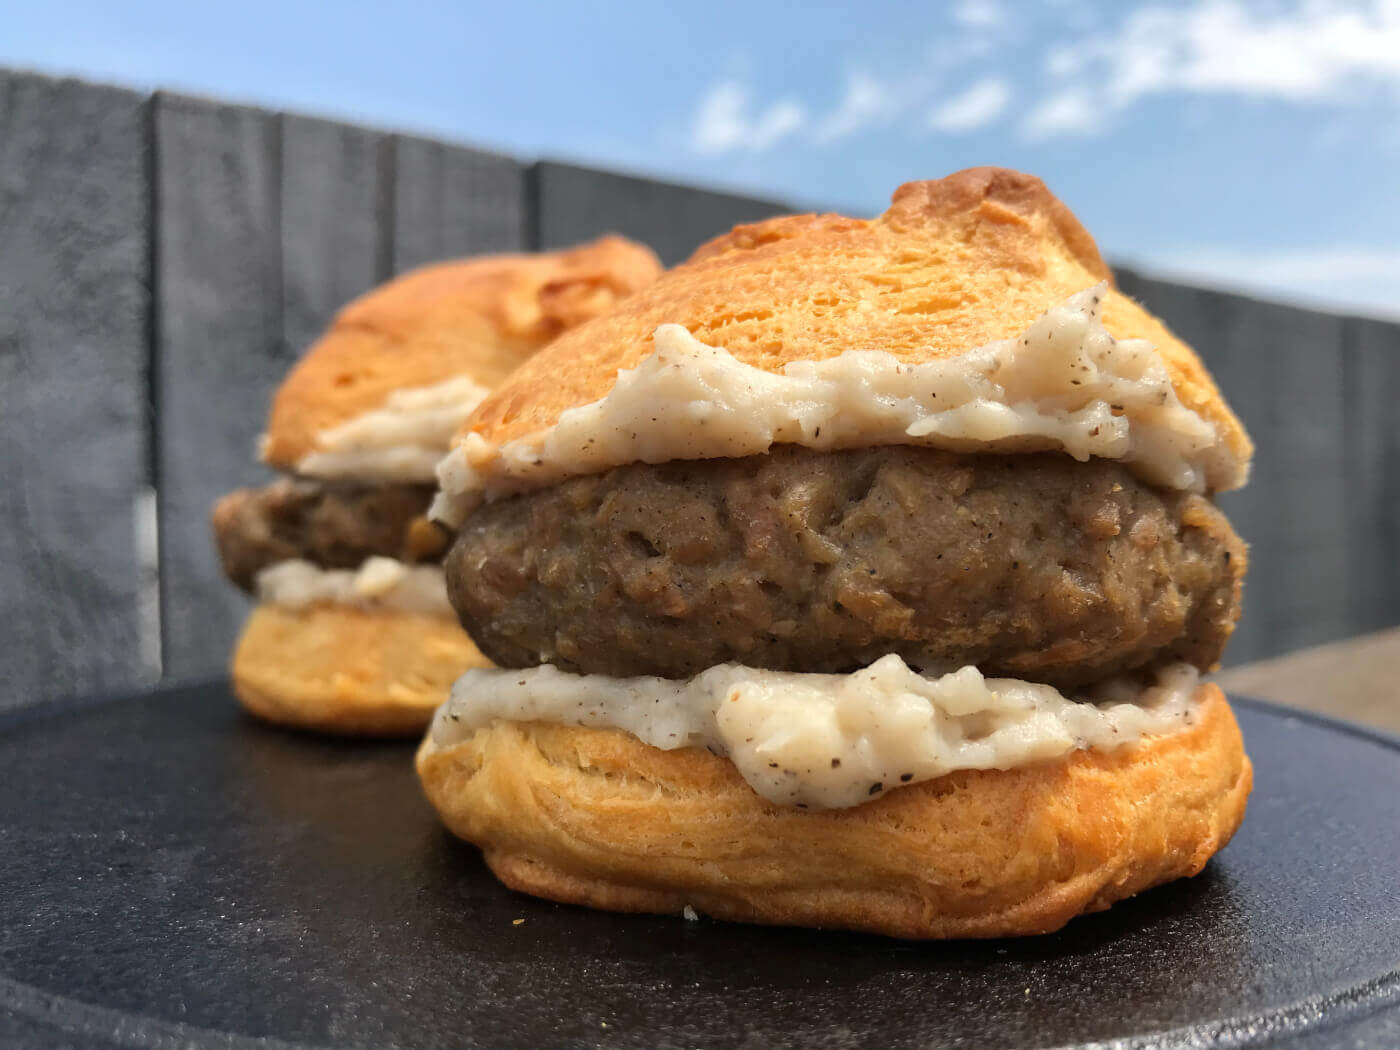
402	440
1065	383
380	583
825	741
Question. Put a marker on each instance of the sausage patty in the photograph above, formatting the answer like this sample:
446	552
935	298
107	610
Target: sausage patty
336	525
1032	566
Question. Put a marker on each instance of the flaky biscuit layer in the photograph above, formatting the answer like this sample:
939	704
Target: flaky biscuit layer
597	818
954	264
350	671
477	318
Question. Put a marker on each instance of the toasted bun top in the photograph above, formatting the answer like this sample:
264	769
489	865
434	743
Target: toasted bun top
954	264
472	317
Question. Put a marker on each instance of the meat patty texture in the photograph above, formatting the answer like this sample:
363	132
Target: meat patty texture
336	525
1028	566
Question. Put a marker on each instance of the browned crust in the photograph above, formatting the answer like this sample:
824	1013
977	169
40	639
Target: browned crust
595	817
347	671
474	317
953	264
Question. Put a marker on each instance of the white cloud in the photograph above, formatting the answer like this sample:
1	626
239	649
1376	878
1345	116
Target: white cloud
979	105
1070	112
978	14
1337	276
866	102
728	119
1064	62
724	122
1306	51
1219	46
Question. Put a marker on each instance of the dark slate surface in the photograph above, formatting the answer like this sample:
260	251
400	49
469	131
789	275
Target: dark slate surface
335	178
1372	511
220	350
215	876
74	254
577	204
449	201
1281	369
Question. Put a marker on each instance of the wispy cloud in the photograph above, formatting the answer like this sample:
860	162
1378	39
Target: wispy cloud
867	101
1071	111
1307	51
726	121
978	14
979	105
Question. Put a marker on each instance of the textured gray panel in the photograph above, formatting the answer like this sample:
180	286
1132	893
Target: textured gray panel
1372	511
335	182
577	204
220	349
449	201
74	321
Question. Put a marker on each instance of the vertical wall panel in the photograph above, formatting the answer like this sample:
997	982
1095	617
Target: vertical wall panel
334	184
74	318
220	351
1372	508
577	204
449	201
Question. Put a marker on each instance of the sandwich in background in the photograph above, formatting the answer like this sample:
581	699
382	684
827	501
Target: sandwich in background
353	632
854	574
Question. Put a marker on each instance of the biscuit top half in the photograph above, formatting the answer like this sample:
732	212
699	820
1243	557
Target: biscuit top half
472	318
953	265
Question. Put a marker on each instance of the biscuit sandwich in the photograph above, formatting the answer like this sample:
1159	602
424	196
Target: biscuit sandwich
353	632
855	574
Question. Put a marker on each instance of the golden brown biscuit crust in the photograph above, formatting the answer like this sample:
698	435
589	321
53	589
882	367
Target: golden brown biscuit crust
595	817
474	317
349	671
953	264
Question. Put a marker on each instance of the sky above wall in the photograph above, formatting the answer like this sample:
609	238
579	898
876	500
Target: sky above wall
1249	144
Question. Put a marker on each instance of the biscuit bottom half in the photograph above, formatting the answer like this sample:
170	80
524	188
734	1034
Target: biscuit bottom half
598	818
339	669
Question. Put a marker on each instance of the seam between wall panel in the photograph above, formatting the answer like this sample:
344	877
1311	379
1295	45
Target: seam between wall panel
1357	516
531	221
386	213
151	598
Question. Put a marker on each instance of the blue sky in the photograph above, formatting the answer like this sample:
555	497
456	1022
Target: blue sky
1247	143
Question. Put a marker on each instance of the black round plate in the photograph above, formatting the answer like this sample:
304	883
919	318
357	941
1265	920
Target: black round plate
178	875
